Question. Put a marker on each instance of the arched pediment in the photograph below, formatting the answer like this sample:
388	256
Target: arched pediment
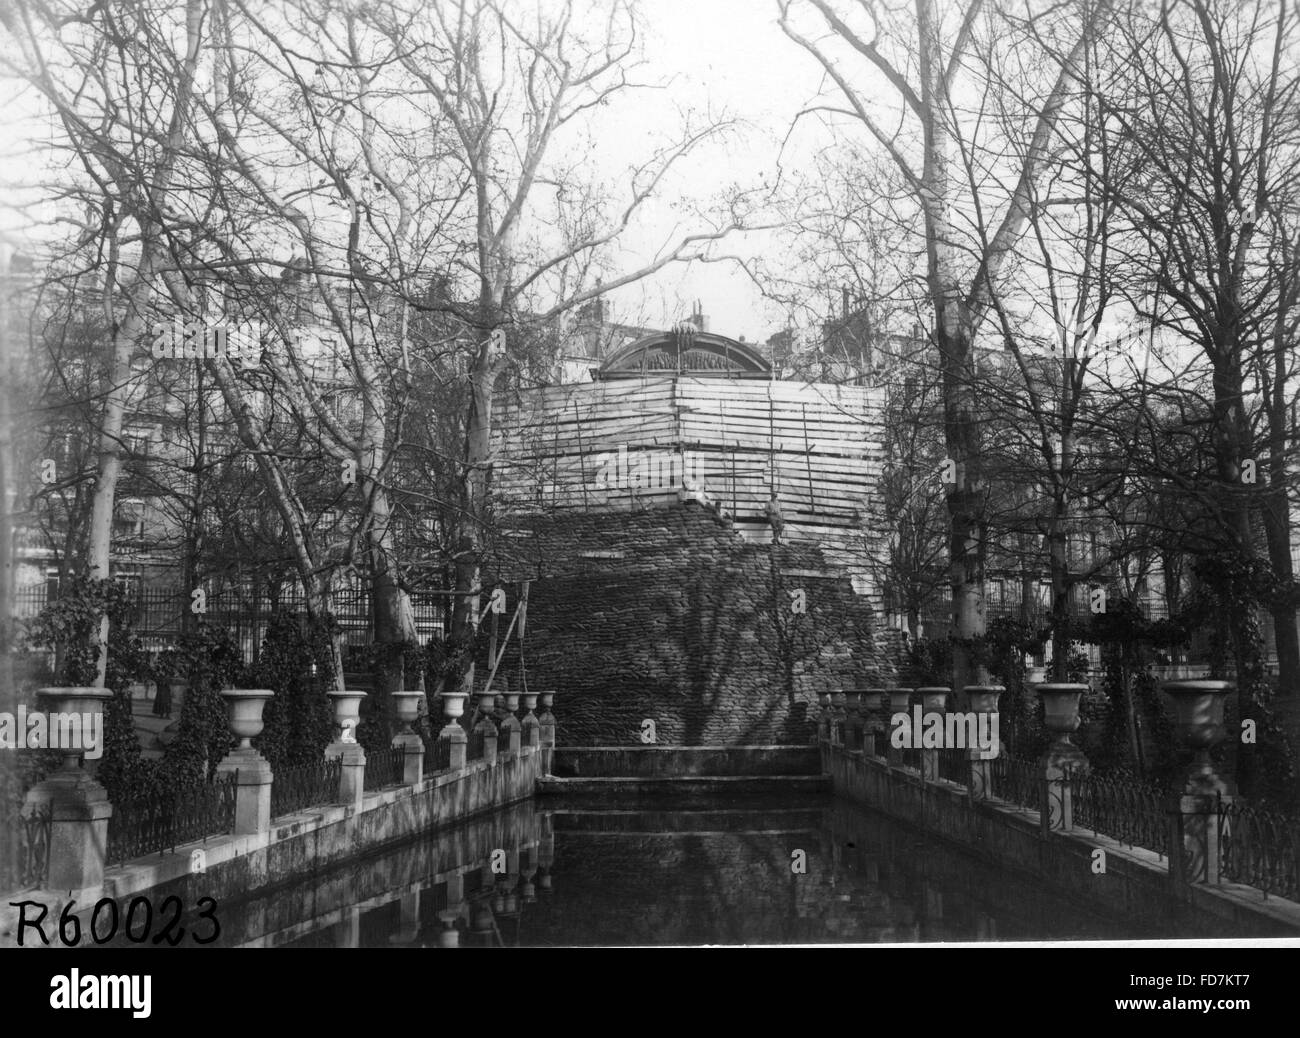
685	350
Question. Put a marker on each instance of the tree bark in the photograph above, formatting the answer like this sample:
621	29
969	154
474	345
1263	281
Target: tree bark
119	376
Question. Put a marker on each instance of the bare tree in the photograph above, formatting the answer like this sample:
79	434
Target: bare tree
925	59
126	123
514	88
1210	103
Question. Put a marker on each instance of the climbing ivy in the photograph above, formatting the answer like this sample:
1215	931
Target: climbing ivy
1223	607
63	629
1235	588
299	719
208	660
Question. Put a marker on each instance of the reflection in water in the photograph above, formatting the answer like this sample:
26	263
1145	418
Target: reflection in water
567	873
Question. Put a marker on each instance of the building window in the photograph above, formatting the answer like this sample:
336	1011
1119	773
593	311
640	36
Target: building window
137	443
128	524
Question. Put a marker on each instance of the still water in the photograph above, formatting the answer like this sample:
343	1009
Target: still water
555	872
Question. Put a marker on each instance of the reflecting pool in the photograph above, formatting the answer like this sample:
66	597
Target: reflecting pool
556	872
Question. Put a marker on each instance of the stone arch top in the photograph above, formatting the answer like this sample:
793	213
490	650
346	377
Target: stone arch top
686	350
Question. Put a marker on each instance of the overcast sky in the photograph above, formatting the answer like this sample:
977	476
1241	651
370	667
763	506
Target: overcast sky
718	56
729	56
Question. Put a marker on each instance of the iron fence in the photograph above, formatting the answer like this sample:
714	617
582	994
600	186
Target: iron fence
1019	782
880	743
156	613
954	765
385	768
157	823
1127	811
477	744
437	756
1260	848
308	785
26	859
912	759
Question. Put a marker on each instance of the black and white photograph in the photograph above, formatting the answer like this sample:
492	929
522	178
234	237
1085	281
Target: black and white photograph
561	474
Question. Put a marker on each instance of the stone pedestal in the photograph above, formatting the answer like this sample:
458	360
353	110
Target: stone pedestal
511	729
78	805
252	789
839	711
1196	825
486	730
530	725
983	701
873	710
852	719
352	783
1063	760
413	761
900	700
934	700
547	733
79	814
455	735
253	785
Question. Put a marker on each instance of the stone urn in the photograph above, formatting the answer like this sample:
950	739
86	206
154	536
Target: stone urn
547	699
983	699
1198	725
453	704
934	698
87	701
244	708
347	712
407	706
898	700
530	701
486	701
1061	716
511	701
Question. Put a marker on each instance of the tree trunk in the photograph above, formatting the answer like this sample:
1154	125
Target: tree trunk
119	377
474	516
8	486
1231	439
394	623
315	589
954	334
1277	526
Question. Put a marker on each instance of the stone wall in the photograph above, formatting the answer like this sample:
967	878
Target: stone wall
669	615
1135	884
301	846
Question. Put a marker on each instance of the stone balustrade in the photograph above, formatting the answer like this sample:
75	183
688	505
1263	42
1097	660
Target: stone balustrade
1187	829
80	810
